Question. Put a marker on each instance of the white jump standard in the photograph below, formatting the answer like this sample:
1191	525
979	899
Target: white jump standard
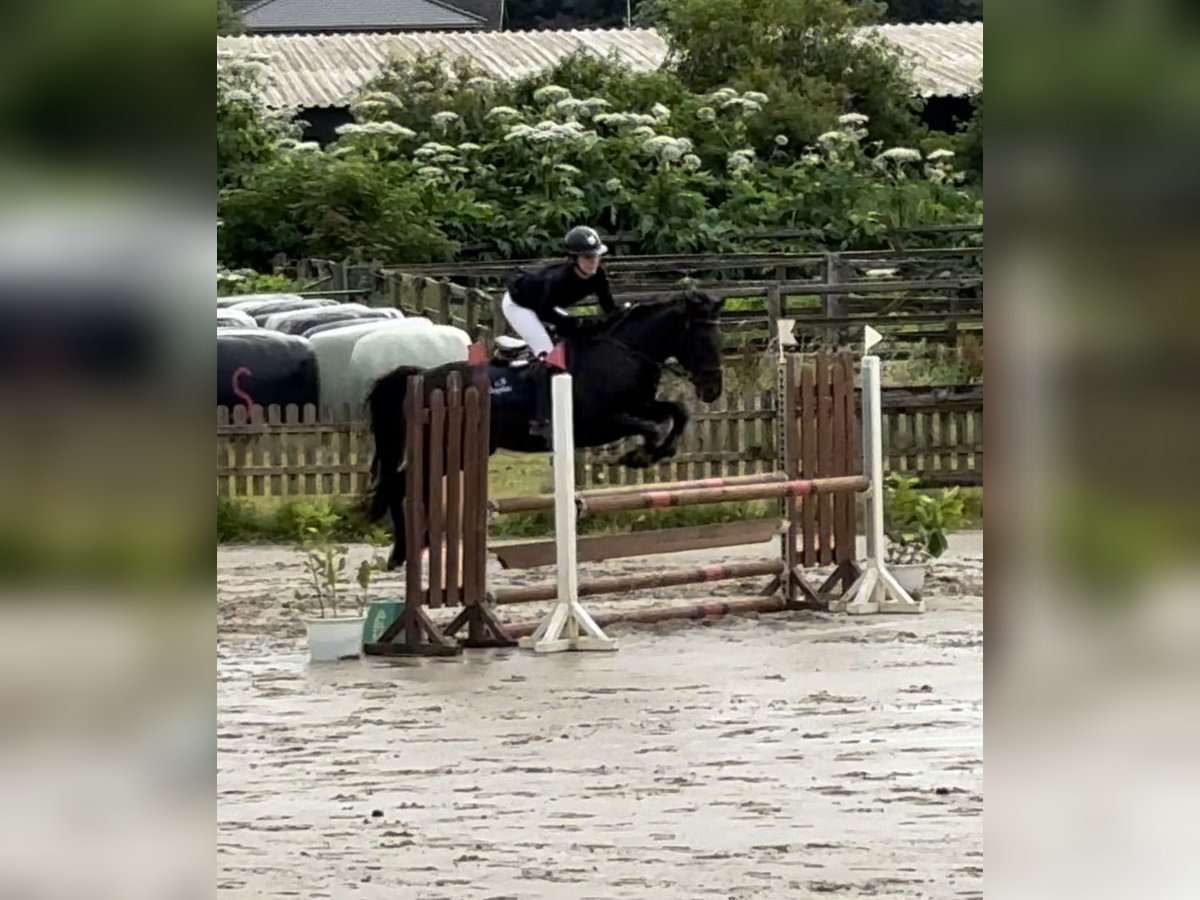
568	626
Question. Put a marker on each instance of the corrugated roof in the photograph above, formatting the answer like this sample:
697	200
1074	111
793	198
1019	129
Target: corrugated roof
323	70
354	15
947	57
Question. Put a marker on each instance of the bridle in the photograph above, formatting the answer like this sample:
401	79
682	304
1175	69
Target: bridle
675	368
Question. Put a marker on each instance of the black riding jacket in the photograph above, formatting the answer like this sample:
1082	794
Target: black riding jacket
559	285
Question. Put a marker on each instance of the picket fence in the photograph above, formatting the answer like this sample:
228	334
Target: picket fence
935	434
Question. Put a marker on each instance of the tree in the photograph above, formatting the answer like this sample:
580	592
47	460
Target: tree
229	20
970	140
805	55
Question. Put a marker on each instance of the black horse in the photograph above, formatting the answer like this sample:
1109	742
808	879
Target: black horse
616	365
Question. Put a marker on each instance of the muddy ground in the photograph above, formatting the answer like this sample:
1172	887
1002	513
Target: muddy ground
788	755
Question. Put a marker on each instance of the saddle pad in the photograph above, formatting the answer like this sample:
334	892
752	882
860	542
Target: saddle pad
510	389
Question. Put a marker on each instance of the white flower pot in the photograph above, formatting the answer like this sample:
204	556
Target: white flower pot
910	577
334	638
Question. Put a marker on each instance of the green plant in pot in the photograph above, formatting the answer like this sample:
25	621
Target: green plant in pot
331	636
916	525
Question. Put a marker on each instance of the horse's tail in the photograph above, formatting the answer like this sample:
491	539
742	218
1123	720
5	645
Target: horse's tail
389	429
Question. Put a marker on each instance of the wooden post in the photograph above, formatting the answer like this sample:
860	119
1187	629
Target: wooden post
832	305
483	628
420	636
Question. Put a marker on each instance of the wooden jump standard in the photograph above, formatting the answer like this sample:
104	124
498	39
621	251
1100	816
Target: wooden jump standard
823	470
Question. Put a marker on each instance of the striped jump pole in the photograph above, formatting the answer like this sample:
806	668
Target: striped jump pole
535	593
561	629
687	496
876	589
537	502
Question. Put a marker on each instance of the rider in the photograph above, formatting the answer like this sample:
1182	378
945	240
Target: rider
542	295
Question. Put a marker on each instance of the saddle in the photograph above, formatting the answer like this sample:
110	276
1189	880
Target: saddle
514	353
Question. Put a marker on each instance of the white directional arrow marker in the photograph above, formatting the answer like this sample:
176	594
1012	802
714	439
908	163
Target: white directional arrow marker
871	337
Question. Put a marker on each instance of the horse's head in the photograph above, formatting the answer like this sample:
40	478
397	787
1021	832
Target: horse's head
699	350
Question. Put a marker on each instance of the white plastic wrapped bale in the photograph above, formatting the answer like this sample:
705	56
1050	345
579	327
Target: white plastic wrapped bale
382	312
298	321
278	321
261	310
384	351
234	318
236	299
334	349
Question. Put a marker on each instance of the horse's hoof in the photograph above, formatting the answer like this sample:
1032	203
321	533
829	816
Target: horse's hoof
635	459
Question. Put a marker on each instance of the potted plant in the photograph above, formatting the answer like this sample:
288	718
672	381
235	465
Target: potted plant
331	636
915	525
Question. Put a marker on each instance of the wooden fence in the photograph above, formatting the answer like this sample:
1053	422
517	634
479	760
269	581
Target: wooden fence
929	294
933	433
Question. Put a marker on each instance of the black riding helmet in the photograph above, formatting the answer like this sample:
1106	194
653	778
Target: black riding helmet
582	239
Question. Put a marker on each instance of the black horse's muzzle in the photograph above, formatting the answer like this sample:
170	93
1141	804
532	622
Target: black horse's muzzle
708	384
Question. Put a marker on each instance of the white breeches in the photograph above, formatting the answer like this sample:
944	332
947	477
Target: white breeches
527	324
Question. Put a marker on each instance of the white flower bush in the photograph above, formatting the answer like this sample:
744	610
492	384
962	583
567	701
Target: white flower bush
658	143
551	93
900	155
392	129
740	161
431	149
502	114
473	158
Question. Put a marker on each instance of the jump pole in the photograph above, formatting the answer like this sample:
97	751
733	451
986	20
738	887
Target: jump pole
876	589
568	626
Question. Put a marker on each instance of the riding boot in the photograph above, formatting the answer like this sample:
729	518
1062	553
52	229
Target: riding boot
539	425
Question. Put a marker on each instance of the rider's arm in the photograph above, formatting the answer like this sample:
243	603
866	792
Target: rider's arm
604	293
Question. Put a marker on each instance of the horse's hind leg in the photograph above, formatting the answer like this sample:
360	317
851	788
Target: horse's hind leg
399	530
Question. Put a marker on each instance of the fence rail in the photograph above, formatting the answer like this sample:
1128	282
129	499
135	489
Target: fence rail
928	294
935	434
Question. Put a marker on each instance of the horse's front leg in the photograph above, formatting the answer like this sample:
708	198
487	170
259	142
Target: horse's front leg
661	411
649	423
638	426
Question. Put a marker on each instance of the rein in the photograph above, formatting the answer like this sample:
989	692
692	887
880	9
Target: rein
675	368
